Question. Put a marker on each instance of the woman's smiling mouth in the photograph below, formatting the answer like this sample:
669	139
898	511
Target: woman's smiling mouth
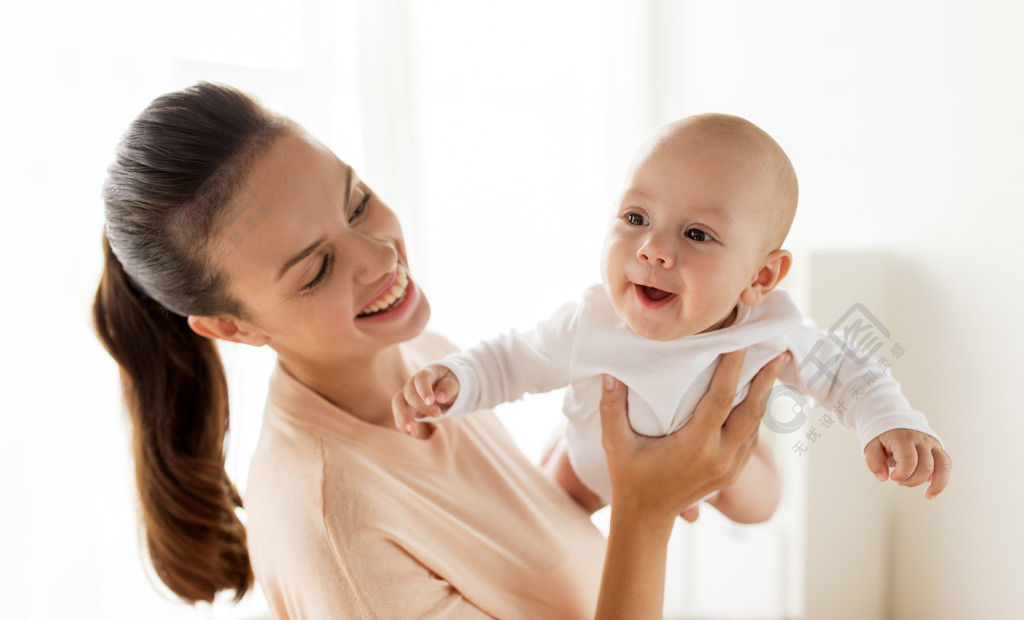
388	298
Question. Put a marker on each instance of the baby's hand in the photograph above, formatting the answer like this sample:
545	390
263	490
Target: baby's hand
429	393
917	458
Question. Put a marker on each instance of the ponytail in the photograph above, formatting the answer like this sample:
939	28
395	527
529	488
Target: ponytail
176	394
177	167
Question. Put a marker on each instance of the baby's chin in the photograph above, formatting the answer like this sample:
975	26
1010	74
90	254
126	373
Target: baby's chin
666	331
663	332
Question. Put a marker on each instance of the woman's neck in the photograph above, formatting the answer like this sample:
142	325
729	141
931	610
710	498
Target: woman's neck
361	387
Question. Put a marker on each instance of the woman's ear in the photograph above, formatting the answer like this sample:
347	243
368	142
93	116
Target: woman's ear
768	276
231	330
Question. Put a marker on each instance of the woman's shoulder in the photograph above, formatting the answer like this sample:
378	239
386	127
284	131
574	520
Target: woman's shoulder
314	529
293	490
285	477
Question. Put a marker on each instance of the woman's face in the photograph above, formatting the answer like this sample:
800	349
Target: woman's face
316	259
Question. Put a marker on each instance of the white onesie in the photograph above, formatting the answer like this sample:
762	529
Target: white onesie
666	379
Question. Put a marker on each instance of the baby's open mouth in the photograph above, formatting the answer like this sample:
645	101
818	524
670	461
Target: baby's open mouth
391	299
653	294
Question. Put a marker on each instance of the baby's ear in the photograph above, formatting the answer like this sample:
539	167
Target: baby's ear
774	268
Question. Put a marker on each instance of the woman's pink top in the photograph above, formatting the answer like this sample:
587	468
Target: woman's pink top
351	520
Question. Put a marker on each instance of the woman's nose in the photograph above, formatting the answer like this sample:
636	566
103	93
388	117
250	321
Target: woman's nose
375	258
655	252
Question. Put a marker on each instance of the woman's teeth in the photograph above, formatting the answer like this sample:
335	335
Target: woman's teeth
392	298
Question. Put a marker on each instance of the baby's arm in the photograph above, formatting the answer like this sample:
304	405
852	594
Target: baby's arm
865	398
917	458
755	495
429	393
495	371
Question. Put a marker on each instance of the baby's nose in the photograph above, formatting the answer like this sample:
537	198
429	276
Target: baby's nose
652	252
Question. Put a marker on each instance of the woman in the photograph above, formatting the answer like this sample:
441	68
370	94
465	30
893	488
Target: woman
225	221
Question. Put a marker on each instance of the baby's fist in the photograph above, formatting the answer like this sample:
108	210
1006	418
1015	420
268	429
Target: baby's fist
916	456
428	394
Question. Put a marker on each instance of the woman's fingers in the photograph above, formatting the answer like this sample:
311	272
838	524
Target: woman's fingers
715	405
703	456
614	412
765	378
744	419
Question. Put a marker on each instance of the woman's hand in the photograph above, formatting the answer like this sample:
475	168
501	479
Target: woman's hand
655	478
661	476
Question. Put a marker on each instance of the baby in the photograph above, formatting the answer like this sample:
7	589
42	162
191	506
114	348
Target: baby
690	267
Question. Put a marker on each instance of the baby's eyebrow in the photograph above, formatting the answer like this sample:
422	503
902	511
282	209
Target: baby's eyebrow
634	192
711	209
720	218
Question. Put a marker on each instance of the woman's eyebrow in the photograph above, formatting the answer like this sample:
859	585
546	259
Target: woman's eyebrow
304	253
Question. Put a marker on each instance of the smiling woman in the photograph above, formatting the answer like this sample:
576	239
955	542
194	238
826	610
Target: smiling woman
163	300
330	249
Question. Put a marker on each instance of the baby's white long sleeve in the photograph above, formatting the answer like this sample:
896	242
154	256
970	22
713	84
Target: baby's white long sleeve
859	390
505	368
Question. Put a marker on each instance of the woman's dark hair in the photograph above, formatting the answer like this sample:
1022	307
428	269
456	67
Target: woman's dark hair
173	186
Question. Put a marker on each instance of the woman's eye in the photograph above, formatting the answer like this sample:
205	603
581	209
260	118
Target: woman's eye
697	234
325	269
361	207
636	219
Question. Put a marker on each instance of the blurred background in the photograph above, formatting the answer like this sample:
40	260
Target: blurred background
499	132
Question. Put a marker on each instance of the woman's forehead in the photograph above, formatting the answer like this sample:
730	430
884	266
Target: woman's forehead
292	188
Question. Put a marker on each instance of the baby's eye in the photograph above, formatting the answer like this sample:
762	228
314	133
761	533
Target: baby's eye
636	219
697	234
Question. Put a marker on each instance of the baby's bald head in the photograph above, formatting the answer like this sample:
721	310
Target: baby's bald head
736	142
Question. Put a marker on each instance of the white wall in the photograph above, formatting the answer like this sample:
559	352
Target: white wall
903	121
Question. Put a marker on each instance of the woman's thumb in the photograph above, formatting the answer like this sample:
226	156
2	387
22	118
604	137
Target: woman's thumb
614	408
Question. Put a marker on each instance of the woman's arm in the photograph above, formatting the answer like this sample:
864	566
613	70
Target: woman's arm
654	479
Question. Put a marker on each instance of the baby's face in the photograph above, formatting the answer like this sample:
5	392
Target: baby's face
690	233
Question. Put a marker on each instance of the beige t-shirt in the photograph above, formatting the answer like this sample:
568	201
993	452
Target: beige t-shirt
351	520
